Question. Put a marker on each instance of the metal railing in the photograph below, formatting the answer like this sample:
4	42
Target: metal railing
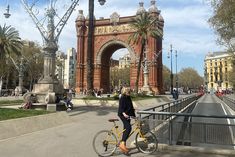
174	106
191	129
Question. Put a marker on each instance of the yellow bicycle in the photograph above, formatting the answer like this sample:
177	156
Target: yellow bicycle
105	142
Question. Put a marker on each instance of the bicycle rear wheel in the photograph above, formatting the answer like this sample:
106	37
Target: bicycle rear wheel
105	143
146	143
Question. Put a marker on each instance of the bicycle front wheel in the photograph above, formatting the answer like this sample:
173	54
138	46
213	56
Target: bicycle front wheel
105	143
146	143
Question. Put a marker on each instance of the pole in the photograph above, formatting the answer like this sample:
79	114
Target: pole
21	75
90	48
171	71
176	76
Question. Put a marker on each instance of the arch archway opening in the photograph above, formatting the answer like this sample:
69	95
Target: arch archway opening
115	67
119	70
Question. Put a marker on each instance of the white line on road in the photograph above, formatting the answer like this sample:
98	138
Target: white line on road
229	122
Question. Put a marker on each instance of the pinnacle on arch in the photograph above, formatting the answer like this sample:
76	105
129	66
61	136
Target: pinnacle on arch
141	8
153	8
80	17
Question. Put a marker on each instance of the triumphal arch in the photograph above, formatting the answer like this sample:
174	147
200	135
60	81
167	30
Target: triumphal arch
110	35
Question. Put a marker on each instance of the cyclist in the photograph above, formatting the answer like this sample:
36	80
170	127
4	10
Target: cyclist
125	110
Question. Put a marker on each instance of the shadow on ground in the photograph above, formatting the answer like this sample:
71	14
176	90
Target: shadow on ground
100	110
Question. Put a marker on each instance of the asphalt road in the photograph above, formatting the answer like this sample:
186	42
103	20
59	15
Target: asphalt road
216	130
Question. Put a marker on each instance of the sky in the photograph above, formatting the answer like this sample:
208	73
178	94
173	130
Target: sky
185	27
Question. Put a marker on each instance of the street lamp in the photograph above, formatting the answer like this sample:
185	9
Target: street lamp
147	62
7	14
90	45
171	76
146	71
176	76
48	85
101	2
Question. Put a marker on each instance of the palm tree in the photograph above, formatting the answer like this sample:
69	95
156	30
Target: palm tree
145	25
10	43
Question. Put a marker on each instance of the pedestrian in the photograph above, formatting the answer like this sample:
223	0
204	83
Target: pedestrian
67	102
125	111
17	92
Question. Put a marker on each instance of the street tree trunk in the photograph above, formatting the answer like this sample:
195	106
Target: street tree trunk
90	48
139	67
1	86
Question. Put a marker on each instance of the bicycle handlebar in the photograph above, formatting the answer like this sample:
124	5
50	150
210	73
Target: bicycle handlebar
132	117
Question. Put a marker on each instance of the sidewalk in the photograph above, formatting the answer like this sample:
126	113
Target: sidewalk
74	139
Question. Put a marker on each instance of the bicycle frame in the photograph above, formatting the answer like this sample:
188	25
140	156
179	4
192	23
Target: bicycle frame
115	130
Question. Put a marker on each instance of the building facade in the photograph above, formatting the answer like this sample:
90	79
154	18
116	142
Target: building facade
70	69
110	35
125	61
60	64
66	67
217	67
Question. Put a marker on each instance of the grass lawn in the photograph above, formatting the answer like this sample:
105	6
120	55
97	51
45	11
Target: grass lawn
10	102
6	113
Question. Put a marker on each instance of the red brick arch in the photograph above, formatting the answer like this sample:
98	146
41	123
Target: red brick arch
109	37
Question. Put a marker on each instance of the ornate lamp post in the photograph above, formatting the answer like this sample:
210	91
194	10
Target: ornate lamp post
176	75
7	13
48	85
145	65
146	71
171	76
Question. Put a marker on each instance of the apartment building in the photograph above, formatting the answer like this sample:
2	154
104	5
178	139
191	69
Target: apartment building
217	66
66	67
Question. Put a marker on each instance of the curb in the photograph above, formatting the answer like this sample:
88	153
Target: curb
193	149
16	127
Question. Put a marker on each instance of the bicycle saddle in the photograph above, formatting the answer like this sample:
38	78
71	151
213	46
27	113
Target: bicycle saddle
113	120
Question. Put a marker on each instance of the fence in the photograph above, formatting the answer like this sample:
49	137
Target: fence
174	106
191	129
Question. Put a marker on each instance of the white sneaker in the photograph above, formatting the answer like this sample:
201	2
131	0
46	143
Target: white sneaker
69	109
69	106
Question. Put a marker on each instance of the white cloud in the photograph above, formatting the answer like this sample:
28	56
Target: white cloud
185	27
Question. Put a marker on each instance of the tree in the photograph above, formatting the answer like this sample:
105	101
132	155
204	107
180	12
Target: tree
166	78
33	66
231	76
223	20
10	43
144	25
189	78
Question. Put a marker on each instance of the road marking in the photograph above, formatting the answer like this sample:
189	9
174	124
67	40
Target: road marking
229	122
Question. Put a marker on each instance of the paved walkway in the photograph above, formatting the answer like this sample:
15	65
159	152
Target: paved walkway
74	139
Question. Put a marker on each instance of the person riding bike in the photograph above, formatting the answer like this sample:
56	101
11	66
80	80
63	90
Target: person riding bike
125	111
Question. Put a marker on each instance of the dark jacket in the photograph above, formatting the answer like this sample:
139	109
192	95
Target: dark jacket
125	105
